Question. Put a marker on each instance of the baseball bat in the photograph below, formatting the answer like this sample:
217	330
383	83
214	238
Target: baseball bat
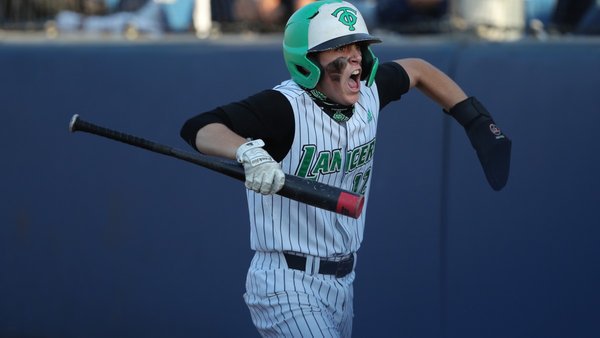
299	189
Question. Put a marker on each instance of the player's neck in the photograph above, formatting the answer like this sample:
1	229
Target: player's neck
336	111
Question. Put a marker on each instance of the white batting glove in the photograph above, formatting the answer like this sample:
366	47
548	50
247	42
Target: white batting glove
263	174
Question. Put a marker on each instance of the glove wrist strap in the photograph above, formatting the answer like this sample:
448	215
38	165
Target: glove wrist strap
258	143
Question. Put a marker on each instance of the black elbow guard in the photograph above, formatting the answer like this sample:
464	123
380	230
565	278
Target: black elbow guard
490	143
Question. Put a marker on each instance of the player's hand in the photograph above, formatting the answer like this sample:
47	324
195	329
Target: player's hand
492	146
263	174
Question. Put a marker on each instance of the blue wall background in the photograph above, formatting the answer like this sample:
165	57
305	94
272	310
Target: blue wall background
99	239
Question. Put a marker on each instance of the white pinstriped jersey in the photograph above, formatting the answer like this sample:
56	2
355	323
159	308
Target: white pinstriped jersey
338	154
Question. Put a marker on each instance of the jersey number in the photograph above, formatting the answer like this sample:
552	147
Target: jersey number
359	185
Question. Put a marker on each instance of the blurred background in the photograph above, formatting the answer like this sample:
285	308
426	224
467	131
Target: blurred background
490	19
100	239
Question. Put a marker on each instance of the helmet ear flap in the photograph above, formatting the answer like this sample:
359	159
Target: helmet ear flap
304	69
318	69
370	63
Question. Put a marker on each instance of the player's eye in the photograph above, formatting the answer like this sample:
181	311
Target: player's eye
347	48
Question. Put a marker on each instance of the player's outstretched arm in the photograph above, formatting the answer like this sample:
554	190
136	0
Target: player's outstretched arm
432	82
492	146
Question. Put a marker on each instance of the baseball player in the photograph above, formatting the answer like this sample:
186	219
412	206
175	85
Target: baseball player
321	125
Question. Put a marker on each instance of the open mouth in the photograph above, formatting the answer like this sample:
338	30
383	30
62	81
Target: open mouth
354	81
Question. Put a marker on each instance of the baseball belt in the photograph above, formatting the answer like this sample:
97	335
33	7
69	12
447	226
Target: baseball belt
339	268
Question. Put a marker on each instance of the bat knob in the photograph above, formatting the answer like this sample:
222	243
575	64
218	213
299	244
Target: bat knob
72	123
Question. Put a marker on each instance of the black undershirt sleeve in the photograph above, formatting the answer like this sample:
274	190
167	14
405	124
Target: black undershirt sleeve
392	82
266	115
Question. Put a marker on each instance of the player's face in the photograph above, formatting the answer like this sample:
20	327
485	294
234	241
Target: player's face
342	71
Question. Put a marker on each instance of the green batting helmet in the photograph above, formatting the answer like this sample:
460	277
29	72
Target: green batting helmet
321	26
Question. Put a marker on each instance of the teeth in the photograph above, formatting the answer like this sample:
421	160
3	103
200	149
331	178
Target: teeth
356	72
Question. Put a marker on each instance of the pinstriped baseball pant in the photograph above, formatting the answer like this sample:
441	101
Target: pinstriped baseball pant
292	303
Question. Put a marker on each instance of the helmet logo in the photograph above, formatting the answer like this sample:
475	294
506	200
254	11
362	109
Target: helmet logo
347	16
